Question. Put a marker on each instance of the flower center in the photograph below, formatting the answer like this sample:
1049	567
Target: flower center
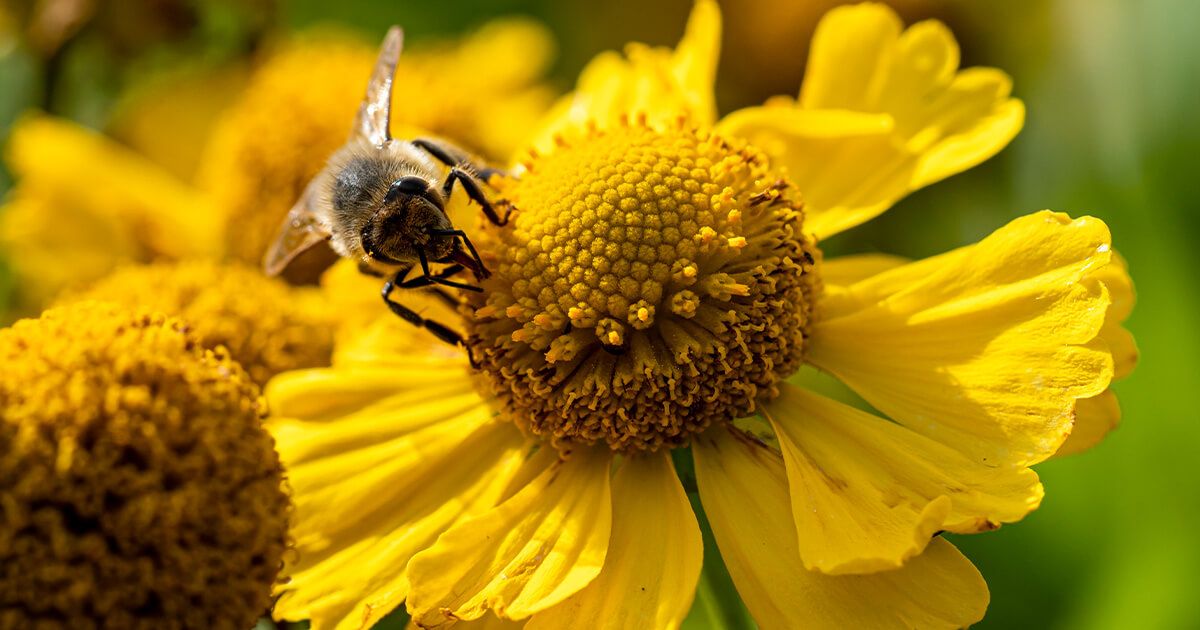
652	283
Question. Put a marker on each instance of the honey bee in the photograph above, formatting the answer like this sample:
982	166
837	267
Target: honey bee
382	201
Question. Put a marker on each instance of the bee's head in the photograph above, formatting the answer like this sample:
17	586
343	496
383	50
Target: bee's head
403	221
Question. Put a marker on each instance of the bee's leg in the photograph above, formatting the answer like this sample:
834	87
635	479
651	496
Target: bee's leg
428	280
439	330
451	155
471	186
464	169
478	267
441	277
443	152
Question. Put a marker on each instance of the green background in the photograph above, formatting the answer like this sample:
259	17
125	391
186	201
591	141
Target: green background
1111	89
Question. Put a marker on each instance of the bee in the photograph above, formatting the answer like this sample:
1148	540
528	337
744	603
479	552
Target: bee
382	201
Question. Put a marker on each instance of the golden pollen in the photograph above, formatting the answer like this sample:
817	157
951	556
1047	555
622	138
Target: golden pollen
652	283
138	486
267	326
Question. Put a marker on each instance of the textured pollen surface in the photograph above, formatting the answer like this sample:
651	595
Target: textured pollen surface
651	284
138	488
267	326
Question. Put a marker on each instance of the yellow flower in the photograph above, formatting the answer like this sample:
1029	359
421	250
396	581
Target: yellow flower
482	92
655	291
83	204
265	325
169	117
139	488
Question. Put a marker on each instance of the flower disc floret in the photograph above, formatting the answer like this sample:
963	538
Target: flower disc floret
267	326
137	484
651	283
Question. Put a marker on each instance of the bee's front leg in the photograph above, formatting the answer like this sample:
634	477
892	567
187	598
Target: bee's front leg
441	331
475	192
464	169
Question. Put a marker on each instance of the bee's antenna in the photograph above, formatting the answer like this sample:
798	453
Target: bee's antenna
373	114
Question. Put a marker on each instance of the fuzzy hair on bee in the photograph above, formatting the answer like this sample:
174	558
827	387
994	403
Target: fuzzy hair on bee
382	202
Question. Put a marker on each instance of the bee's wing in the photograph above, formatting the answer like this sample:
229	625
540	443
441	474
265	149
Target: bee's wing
372	120
301	230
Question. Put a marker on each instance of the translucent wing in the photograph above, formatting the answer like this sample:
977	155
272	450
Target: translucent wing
372	121
301	230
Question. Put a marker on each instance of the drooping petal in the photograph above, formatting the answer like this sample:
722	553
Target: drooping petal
1115	277
868	494
984	349
1095	417
743	487
380	462
935	121
659	83
530	552
654	560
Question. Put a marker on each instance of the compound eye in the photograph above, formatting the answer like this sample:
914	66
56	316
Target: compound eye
407	186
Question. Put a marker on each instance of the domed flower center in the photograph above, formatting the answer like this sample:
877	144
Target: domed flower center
652	283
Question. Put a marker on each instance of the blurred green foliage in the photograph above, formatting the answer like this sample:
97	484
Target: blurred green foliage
1110	87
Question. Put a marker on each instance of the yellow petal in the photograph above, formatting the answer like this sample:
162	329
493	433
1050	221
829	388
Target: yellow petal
376	476
744	491
486	622
1095	417
659	83
984	349
655	555
525	555
848	49
171	218
694	62
935	121
868	494
84	204
847	270
330	393
1115	277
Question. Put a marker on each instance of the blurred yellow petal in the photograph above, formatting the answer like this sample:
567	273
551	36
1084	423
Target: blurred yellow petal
168	217
83	204
694	62
985	351
920	120
849	48
169	117
525	555
744	490
868	494
655	554
380	463
662	84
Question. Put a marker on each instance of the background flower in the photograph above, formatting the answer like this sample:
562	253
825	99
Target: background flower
1111	134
